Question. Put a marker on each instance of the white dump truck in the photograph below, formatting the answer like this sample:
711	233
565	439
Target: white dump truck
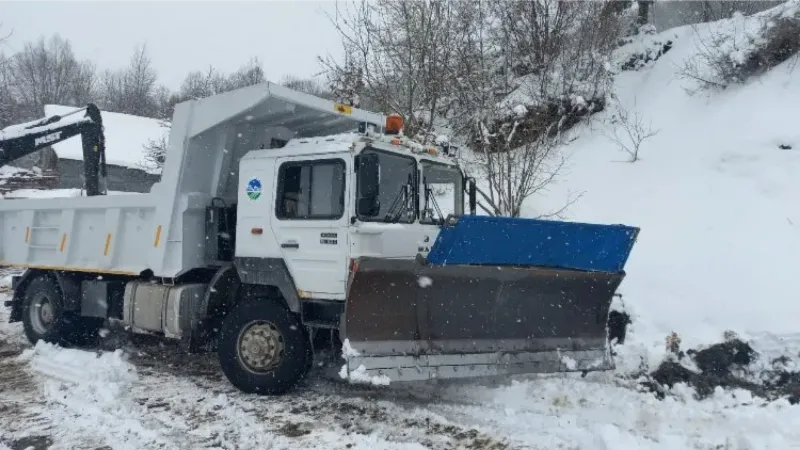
284	223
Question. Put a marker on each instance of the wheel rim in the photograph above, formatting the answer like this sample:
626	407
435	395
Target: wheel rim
42	314
260	346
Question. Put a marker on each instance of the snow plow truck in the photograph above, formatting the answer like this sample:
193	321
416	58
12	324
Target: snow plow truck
286	227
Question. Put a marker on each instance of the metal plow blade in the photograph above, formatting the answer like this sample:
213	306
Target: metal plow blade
409	321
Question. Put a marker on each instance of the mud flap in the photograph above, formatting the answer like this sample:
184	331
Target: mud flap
407	320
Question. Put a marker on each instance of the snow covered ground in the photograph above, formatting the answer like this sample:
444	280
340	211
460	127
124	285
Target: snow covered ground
717	203
151	396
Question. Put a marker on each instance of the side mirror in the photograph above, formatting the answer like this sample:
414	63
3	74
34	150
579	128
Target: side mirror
368	207
472	196
368	176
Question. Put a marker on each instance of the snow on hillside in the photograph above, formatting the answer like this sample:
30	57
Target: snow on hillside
717	203
714	195
125	135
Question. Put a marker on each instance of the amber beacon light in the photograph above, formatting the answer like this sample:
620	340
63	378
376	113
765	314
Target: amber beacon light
394	123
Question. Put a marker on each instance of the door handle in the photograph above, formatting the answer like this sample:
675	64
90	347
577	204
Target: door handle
290	245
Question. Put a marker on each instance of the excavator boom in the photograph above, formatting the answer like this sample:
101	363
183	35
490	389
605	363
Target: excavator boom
20	140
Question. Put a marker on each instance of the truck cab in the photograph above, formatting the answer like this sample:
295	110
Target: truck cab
315	204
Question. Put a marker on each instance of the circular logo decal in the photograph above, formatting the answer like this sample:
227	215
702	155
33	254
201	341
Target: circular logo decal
254	188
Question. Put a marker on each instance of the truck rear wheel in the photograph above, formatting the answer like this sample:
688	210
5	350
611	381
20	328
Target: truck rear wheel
262	347
44	318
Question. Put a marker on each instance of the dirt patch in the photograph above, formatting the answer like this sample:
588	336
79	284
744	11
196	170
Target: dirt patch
13	377
720	358
31	443
721	365
618	322
786	384
464	438
292	429
670	373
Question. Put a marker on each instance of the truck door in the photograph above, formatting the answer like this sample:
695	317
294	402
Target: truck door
310	223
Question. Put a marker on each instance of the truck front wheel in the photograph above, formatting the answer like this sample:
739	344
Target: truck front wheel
262	347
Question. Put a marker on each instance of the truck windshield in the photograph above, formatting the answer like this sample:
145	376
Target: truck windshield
397	188
442	191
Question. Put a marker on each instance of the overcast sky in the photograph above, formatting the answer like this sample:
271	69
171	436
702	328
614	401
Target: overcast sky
182	35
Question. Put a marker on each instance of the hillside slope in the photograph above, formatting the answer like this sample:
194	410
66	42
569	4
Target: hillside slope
717	200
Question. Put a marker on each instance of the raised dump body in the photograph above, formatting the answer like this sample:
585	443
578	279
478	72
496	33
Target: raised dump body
164	231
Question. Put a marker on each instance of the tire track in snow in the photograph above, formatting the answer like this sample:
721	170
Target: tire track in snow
154	397
17	389
317	414
177	401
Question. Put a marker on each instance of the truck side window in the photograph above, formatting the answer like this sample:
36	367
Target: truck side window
442	192
311	190
398	188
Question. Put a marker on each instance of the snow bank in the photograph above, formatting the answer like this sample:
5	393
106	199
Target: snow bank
103	373
715	197
596	413
125	135
89	393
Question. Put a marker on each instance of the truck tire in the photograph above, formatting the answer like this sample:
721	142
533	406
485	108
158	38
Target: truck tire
262	347
44	318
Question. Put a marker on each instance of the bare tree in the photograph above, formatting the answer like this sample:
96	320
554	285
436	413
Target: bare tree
139	84
249	74
155	151
47	72
306	85
162	98
631	132
84	84
494	72
9	107
516	174
668	14
401	52
346	83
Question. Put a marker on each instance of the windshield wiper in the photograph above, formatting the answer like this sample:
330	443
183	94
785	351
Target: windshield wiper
431	199
391	215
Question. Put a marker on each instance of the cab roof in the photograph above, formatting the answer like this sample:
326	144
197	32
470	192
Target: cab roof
346	142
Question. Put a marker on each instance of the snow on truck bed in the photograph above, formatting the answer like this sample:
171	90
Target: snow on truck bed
125	135
53	193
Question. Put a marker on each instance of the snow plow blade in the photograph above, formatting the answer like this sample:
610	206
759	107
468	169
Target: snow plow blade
411	320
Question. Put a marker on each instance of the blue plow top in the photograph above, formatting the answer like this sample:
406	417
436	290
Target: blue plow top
484	240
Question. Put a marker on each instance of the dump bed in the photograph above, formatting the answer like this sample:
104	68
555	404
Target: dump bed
106	234
164	230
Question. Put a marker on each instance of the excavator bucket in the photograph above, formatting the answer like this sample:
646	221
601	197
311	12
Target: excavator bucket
495	296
